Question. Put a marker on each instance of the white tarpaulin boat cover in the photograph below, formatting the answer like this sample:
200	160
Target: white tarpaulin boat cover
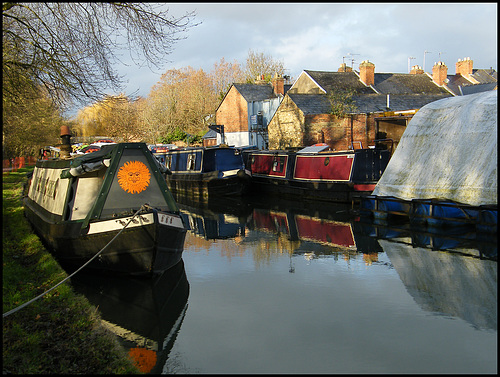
448	151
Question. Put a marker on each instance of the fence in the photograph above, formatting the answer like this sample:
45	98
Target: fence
16	163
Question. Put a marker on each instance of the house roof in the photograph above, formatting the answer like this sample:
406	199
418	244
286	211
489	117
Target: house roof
405	91
484	76
486	79
255	92
478	88
397	102
339	80
211	134
385	83
311	104
405	83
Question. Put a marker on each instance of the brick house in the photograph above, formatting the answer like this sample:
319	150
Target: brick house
385	102
246	110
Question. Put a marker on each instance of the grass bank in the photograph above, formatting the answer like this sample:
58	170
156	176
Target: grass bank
61	332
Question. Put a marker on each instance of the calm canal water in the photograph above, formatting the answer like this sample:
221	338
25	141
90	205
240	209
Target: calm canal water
288	287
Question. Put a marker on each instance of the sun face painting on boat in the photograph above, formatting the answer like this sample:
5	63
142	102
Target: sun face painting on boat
77	205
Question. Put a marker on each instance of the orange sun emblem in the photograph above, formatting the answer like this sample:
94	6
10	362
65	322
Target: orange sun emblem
134	177
144	359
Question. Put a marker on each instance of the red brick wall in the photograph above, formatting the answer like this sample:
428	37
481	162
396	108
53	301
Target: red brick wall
326	128
233	112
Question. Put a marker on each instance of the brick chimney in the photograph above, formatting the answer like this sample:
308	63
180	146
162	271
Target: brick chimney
278	84
464	67
344	68
416	70
260	79
367	72
439	73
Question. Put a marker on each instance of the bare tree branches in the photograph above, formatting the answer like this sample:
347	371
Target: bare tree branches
258	64
71	48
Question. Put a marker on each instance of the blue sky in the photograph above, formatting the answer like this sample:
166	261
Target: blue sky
316	36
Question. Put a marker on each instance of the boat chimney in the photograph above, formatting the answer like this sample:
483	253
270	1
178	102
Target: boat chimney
66	143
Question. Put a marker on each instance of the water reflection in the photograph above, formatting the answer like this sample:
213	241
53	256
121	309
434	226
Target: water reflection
448	284
145	313
300	287
450	272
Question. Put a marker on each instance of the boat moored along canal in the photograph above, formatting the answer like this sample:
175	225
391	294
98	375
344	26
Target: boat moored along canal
115	203
317	172
204	172
444	170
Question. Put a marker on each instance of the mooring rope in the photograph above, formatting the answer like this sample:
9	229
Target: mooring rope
144	206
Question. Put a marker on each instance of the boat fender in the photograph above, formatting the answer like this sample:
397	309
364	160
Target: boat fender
242	174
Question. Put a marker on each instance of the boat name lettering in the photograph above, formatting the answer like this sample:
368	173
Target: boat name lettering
165	219
48	186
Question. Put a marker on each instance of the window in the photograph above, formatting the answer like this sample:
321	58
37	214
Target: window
278	164
168	161
191	162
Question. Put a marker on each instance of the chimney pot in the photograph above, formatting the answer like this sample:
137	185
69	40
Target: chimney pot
65	149
65	131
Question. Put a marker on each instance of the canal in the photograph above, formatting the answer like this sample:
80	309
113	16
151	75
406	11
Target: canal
290	287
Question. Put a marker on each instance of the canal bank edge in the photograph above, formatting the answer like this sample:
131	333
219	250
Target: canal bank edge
61	332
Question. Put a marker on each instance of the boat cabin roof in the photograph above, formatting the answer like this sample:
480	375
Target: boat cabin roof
315	148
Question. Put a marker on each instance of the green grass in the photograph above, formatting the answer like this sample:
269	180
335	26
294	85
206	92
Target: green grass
61	332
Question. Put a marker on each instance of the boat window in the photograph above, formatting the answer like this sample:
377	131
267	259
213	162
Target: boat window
82	194
191	162
278	164
168	161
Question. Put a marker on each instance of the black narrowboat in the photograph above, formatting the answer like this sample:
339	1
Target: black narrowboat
114	203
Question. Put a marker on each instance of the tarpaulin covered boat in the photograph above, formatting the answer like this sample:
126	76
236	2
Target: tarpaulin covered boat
444	170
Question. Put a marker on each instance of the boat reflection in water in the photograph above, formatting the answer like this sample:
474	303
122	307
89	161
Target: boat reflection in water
212	219
145	313
449	273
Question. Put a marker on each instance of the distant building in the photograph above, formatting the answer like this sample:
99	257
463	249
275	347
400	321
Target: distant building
246	110
385	102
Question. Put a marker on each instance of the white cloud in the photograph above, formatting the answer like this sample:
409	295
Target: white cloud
317	35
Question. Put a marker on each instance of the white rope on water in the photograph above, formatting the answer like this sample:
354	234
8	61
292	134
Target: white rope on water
74	273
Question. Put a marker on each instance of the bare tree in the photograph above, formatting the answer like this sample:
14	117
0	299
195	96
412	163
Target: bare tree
71	49
258	65
223	75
